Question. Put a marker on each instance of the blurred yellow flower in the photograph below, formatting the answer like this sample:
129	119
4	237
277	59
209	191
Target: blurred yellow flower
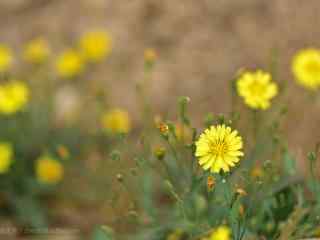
219	148
257	89
69	64
6	58
49	170
95	45
6	154
150	55
176	235
306	68
221	233
36	51
14	95
116	121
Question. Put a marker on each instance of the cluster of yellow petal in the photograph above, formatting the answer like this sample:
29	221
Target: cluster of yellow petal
220	233
49	170
6	154
14	95
257	89
36	51
95	45
69	64
116	121
219	148
306	68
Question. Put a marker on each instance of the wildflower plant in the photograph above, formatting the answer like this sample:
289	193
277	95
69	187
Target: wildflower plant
233	178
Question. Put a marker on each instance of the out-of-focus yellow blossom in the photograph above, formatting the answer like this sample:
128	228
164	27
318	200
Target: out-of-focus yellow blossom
36	51
49	170
69	64
219	148
306	68
6	58
95	45
14	95
150	55
176	235
116	121
221	233
257	89
6	154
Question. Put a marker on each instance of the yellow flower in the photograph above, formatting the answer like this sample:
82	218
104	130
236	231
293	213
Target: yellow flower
49	170
219	148
14	96
116	121
6	154
36	51
95	45
69	64
6	58
306	68
176	235
257	89
221	233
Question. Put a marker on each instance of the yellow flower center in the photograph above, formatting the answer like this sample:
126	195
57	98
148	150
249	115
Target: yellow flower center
256	88
219	148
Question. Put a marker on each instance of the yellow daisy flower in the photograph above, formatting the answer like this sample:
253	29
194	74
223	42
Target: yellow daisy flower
69	64
36	51
14	96
6	154
116	121
95	45
221	233
257	89
6	58
306	68
219	148
49	170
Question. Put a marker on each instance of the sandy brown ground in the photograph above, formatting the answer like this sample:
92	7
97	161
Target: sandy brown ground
201	44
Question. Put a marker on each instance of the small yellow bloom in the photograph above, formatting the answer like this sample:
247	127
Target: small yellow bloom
6	58
6	154
257	89
219	148
306	68
69	64
36	51
176	235
163	128
221	233
116	121
14	95
150	55
49	170
95	45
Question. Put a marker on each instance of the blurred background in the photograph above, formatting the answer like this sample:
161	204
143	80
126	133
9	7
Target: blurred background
200	45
